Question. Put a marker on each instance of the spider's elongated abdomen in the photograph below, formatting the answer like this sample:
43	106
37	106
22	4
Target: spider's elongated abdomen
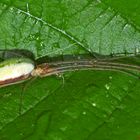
14	70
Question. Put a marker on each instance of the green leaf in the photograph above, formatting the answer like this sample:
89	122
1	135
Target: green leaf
77	105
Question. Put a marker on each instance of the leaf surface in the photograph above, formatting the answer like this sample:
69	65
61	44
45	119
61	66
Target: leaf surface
80	105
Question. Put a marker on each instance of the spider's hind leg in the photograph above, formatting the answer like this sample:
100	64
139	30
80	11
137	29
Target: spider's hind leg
24	87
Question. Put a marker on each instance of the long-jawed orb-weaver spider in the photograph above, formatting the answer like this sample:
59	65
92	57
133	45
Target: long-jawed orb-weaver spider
19	65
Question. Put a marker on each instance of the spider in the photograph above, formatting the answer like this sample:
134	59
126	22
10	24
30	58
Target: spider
17	66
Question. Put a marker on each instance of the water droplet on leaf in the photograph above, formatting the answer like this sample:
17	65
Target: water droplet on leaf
94	104
84	112
107	86
110	77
